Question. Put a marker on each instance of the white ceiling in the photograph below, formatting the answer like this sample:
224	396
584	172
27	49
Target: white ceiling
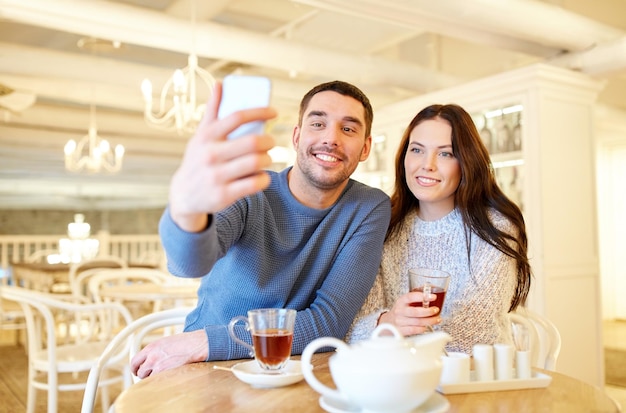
392	49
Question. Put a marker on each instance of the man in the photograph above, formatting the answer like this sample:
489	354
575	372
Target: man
307	238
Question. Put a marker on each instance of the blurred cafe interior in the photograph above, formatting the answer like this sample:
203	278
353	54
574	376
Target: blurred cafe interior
92	125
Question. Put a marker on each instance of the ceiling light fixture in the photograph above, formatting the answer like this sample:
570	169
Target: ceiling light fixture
183	112
180	105
93	154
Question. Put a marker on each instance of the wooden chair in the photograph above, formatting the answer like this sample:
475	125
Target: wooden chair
131	339
539	335
55	367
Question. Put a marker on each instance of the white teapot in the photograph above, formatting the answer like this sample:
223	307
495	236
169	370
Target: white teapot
389	374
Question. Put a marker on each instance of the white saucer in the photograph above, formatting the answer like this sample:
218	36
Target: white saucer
250	372
435	404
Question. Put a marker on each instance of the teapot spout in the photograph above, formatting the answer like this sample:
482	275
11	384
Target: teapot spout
431	344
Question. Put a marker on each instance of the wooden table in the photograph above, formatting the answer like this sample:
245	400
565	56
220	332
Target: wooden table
149	291
43	276
200	388
140	298
40	276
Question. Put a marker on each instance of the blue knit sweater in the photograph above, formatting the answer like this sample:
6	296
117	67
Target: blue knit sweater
269	250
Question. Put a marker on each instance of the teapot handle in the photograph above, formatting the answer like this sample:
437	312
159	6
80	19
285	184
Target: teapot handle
307	367
388	327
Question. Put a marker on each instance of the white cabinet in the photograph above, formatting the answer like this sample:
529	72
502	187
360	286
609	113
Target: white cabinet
555	186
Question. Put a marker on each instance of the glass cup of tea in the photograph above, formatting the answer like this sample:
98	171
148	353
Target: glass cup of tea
272	336
429	281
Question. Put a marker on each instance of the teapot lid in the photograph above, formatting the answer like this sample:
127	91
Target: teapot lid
395	352
377	341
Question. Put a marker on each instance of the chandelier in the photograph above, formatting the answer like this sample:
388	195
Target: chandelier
92	154
77	246
179	108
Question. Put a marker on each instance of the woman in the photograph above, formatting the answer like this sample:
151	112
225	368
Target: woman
448	213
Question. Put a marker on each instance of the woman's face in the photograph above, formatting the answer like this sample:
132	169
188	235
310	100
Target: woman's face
432	171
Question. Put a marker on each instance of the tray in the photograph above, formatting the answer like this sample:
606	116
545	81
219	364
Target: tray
537	380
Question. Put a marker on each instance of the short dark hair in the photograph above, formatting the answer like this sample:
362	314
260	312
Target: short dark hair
345	89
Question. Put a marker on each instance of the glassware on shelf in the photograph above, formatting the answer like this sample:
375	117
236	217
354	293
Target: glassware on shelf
503	135
500	130
486	135
517	132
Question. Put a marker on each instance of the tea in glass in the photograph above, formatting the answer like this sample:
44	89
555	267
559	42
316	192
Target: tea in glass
429	281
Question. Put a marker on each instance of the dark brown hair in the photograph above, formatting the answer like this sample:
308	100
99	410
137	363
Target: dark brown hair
478	191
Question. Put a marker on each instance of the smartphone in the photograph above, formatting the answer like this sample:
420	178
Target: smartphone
244	92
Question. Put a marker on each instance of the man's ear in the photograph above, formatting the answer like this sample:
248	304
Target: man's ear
295	137
367	147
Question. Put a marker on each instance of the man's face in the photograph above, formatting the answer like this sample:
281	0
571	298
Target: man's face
331	141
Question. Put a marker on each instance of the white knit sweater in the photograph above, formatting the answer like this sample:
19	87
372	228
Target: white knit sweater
478	298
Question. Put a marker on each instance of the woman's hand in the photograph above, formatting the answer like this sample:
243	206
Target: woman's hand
410	319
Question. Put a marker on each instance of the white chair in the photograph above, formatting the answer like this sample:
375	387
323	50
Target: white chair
11	313
123	277
120	276
539	335
80	272
55	367
154	258
41	255
79	283
132	338
12	317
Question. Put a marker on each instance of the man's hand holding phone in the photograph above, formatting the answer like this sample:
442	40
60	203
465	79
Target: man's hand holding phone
244	92
216	171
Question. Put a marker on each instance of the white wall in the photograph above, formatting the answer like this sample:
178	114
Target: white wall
611	201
